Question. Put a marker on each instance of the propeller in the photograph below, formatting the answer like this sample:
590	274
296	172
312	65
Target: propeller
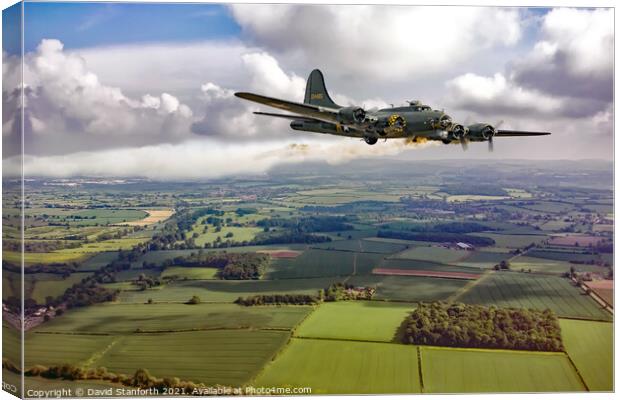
464	143
491	144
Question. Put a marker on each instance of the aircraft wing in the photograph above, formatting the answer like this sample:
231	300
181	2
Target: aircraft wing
306	110
287	116
509	133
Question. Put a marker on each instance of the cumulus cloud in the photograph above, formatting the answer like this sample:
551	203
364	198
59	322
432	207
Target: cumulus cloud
227	115
67	106
498	95
388	41
574	56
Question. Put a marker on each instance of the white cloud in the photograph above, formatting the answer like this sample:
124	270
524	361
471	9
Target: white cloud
390	42
201	159
498	95
574	55
67	106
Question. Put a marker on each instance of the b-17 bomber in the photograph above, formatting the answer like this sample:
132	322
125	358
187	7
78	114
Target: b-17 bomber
416	121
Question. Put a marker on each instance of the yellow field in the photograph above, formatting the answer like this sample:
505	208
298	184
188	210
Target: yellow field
153	217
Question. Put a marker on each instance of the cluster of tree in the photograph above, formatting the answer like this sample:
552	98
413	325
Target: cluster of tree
461	325
447	227
144	282
308	224
64	269
140	379
231	265
340	291
437	237
241	211
286	237
278	299
504	264
350	208
478	190
31	246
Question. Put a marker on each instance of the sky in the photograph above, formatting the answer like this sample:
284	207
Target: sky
147	89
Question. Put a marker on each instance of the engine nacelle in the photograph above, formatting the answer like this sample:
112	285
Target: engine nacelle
480	132
351	115
457	132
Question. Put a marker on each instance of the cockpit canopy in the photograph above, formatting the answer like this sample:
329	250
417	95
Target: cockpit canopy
416	105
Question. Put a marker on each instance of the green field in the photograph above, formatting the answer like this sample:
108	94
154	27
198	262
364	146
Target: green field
190	273
355	320
450	370
57	349
399	263
323	263
344	367
104	216
522	290
226	357
165	317
549	266
225	291
435	254
483	259
589	344
409	288
512	241
364	246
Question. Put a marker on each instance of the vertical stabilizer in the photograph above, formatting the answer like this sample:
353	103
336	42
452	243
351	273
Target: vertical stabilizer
316	93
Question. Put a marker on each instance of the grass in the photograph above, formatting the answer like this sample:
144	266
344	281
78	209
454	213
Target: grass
409	288
550	266
590	346
355	320
105	216
475	371
344	367
226	291
426	265
226	357
115	318
190	273
522	290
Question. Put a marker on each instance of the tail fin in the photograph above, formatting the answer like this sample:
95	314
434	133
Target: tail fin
316	93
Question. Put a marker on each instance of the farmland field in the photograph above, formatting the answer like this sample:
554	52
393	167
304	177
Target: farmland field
436	254
225	357
190	272
344	367
174	317
522	290
324	263
476	371
58	349
409	288
368	320
512	241
588	344
225	291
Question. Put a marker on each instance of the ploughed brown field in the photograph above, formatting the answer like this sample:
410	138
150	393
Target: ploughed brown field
570	240
281	253
604	288
421	272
